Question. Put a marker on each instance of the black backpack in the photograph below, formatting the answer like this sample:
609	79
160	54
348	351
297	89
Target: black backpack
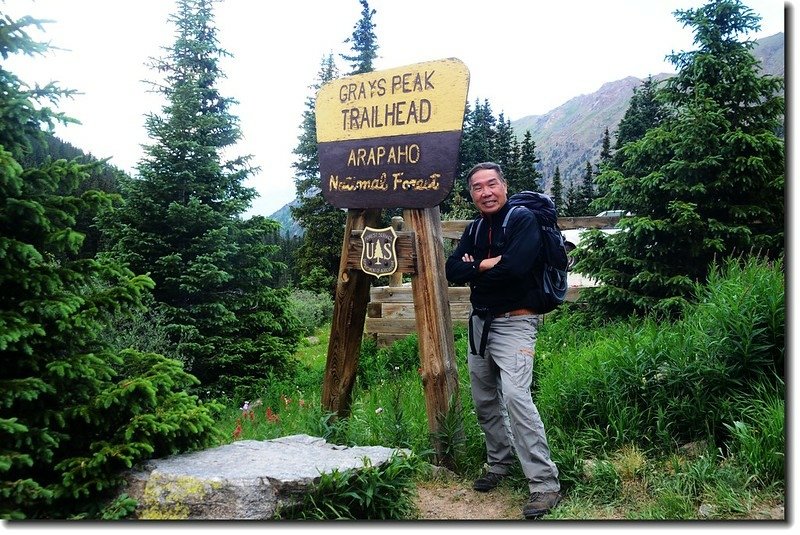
551	270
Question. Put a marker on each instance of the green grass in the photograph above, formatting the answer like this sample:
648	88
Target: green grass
645	420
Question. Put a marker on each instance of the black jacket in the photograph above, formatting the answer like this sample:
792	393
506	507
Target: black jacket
510	284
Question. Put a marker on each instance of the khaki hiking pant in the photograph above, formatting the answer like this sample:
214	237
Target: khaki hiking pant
501	385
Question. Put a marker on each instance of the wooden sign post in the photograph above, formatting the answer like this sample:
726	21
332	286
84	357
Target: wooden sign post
390	139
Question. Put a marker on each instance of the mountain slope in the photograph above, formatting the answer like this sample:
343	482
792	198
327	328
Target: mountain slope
572	134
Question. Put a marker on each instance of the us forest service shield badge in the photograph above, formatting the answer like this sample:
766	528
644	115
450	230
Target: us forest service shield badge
378	252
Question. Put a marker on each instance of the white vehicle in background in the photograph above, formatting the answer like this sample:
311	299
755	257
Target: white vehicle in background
572	237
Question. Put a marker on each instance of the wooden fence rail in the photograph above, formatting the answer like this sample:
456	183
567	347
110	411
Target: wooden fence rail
390	312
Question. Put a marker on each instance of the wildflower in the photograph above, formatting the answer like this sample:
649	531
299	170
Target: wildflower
238	431
246	406
271	416
302	403
379	410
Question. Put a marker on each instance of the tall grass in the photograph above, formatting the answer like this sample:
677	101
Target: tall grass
616	399
663	385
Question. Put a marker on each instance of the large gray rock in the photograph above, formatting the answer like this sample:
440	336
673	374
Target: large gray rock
245	480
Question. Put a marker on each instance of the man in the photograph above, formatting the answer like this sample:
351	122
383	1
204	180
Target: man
497	264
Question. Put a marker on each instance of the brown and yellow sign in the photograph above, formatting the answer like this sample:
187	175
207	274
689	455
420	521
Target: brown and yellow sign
389	139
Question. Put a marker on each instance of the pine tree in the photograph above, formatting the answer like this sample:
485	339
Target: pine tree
605	161
530	178
363	42
182	223
478	137
605	151
557	192
706	184
323	223
587	189
644	113
573	202
505	152
74	412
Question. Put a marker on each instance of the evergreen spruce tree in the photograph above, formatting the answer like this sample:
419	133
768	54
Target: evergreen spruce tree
74	413
478	137
182	224
605	151
318	257
573	201
505	152
363	42
557	192
706	184
323	223
587	190
605	160
644	113
530	178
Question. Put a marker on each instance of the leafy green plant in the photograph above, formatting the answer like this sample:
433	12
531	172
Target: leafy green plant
371	493
758	438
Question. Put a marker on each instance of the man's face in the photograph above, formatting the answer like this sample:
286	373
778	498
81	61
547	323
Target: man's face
489	192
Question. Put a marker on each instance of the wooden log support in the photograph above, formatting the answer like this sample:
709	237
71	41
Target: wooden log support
435	330
347	324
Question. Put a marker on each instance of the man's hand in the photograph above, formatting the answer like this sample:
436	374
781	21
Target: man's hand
485	265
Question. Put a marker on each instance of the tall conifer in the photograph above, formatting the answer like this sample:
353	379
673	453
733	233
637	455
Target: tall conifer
557	192
530	177
363	42
318	258
182	222
74	412
707	183
318	255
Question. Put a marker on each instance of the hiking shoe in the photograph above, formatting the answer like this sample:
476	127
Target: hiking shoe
488	481
540	503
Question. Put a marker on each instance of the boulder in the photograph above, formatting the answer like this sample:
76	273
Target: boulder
245	480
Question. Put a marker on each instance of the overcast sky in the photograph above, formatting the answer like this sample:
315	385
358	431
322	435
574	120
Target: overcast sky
526	57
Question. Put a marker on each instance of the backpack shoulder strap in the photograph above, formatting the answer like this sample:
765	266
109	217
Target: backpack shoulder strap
508	216
474	228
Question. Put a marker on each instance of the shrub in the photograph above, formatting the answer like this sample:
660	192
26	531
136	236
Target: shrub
312	309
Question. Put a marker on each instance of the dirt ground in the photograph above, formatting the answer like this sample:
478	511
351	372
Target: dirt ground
453	500
456	500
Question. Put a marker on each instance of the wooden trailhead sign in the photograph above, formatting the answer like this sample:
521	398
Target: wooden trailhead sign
389	139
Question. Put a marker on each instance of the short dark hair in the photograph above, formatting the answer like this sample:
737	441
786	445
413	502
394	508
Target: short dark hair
485	165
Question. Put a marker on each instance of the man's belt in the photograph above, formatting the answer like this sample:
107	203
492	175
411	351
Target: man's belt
517	312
